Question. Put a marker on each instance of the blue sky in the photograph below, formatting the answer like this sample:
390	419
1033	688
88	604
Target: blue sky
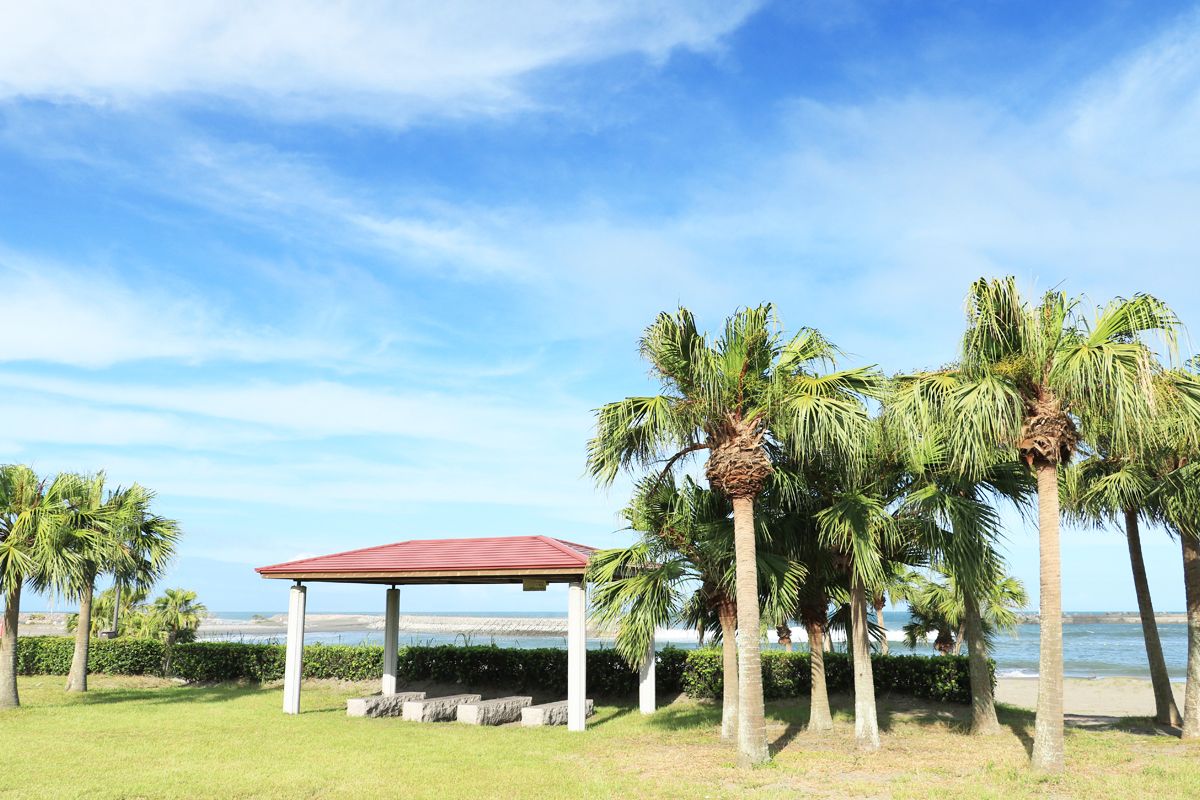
331	276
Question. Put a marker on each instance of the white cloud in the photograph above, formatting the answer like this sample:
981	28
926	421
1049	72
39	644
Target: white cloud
77	423
303	58
298	410
92	318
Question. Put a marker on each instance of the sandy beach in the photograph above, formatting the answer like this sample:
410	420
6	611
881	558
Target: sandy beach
1103	697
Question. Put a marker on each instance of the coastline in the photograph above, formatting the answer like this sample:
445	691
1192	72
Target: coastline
53	623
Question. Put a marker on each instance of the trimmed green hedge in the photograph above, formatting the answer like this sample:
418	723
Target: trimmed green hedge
698	672
51	655
944	678
543	669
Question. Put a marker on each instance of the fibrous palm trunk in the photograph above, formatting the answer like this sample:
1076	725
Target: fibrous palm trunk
983	702
1191	584
866	723
727	613
819	718
785	636
116	607
8	649
752	723
880	602
1048	729
77	678
1165	710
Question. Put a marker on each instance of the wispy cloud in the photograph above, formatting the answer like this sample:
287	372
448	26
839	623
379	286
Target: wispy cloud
90	317
317	410
387	62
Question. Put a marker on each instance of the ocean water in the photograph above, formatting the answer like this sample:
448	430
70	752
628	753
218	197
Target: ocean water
1089	651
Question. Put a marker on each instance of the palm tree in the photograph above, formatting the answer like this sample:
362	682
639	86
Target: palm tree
682	568
35	539
938	607
958	506
126	540
103	609
1105	488
813	613
812	610
174	616
735	397
1032	375
1176	503
857	520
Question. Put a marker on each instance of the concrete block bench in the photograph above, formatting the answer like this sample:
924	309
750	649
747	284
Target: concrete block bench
550	713
436	709
381	705
493	712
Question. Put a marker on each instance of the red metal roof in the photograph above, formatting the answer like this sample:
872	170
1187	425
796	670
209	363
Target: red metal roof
446	555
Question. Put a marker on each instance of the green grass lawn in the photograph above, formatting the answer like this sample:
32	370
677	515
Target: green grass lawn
133	737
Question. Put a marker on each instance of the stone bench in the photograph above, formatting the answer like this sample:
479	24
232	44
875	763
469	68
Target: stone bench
381	705
550	713
436	709
493	712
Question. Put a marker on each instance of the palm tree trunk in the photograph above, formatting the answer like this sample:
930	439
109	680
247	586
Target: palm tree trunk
879	604
866	723
727	613
116	607
8	649
752	723
960	636
1165	710
1048	729
1191	584
819	718
983	702
77	678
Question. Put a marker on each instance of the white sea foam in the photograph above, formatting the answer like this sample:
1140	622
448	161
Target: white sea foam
1016	673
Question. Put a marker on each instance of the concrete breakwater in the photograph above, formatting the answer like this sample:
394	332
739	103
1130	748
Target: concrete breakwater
1106	618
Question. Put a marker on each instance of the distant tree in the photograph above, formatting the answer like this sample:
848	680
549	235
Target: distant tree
132	603
937	605
175	616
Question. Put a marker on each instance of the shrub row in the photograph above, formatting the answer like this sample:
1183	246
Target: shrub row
698	672
543	669
943	678
51	655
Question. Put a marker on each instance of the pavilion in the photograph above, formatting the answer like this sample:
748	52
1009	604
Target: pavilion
533	561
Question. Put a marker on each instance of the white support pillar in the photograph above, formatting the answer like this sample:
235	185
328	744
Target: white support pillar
391	638
293	665
646	697
576	658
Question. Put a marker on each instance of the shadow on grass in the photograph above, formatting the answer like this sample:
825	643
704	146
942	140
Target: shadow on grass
1020	722
892	709
794	729
687	716
218	693
1138	726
